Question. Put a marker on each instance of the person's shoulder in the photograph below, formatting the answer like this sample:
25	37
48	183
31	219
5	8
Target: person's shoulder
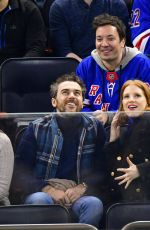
119	2
60	7
4	138
146	118
142	57
27	5
87	61
143	62
139	4
62	4
133	54
42	121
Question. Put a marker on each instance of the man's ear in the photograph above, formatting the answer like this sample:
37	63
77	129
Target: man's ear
123	42
54	102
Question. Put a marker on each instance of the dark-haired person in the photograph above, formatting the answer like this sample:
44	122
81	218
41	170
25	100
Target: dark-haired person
109	66
22	30
67	147
71	24
128	149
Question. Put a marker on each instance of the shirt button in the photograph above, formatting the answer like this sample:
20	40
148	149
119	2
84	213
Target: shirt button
119	158
138	190
112	173
130	155
146	159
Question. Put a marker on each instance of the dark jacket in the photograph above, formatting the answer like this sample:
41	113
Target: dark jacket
135	143
22	31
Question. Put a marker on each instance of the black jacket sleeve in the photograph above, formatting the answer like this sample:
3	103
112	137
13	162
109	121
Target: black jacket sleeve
35	31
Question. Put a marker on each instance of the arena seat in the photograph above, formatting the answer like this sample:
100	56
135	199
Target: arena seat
33	214
137	225
25	82
120	214
49	226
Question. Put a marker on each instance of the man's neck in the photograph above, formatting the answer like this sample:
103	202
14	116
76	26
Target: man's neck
112	65
88	2
3	4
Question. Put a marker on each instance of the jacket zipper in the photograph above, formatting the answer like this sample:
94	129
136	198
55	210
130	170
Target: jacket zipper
79	154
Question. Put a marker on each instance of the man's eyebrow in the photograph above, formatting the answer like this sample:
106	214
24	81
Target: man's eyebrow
77	90
64	89
110	35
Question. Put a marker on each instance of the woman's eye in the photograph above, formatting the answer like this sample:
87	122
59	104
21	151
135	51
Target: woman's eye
126	96
137	95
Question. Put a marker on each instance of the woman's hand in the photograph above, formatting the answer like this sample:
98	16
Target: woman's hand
102	116
115	128
129	175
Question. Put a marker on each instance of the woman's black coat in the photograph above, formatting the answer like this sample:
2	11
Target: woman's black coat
134	142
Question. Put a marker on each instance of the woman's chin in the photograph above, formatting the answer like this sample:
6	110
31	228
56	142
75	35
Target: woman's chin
134	113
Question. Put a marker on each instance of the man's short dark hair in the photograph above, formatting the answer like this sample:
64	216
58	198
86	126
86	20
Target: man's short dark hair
66	77
106	19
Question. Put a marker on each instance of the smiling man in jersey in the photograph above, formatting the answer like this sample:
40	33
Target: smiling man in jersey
110	65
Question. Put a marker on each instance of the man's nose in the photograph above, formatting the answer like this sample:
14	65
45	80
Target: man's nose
71	94
104	42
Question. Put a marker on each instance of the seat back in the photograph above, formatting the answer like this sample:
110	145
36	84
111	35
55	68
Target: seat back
118	215
33	214
22	123
48	226
25	82
137	225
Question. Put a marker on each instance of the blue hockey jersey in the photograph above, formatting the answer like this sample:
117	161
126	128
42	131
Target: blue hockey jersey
102	93
140	25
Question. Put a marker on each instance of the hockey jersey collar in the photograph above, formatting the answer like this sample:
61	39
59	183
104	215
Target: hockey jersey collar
130	53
